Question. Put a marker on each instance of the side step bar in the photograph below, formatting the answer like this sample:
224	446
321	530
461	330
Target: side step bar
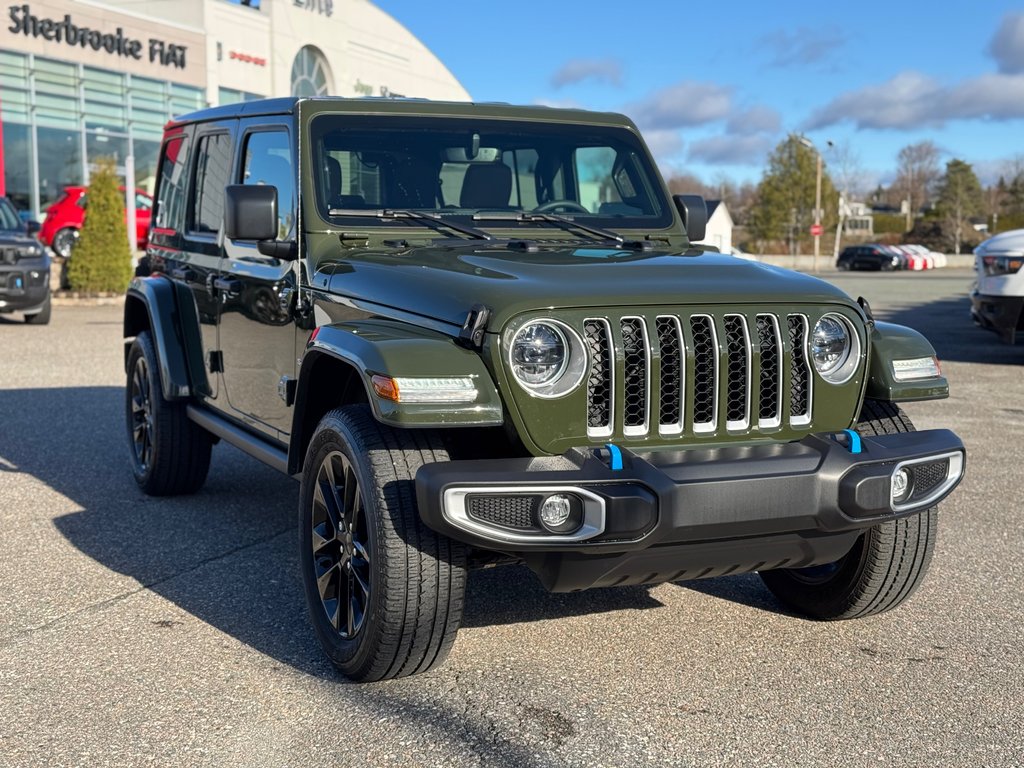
256	447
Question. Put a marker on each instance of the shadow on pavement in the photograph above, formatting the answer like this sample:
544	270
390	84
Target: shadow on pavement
226	555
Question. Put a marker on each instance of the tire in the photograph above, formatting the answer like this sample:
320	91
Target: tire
42	317
843	266
884	566
170	454
64	241
402	584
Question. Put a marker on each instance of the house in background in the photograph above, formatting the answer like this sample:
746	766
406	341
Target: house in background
858	220
720	225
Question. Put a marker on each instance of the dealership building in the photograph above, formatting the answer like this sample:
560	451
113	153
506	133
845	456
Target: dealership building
81	80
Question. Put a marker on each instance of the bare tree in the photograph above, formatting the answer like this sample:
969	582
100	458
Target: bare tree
844	163
916	176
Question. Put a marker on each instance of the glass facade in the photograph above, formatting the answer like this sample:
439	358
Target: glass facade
60	117
233	96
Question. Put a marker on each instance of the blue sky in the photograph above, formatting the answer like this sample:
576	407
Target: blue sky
714	86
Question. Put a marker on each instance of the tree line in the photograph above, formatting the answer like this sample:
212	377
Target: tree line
926	202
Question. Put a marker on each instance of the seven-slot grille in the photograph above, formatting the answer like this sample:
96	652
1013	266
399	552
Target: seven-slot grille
740	378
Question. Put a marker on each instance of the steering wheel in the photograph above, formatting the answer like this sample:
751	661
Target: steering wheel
554	205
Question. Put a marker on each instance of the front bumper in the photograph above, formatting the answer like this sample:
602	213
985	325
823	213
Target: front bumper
24	285
669	515
1002	314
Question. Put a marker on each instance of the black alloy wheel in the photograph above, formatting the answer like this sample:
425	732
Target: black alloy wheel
169	453
141	414
340	542
384	591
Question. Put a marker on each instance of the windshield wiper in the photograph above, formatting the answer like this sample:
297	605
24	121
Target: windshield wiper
567	224
430	219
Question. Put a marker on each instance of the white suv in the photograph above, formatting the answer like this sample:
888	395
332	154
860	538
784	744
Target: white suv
998	295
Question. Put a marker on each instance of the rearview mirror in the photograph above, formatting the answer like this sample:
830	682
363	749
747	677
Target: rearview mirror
250	212
695	215
32	226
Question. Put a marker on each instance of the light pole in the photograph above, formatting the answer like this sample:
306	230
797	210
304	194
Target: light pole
817	200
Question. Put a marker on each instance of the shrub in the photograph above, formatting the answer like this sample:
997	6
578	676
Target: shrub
102	259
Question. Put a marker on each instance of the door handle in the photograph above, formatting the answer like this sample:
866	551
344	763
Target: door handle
229	286
184	273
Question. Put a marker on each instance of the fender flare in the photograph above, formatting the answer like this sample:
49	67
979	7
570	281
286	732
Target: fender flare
393	348
157	303
889	342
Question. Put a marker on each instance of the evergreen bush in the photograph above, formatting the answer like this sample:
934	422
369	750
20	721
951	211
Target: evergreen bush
102	258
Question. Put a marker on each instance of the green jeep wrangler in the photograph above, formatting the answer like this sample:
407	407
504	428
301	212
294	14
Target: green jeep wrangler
481	334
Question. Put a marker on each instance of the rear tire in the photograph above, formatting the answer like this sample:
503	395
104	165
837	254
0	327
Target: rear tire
385	593
884	566
170	454
42	317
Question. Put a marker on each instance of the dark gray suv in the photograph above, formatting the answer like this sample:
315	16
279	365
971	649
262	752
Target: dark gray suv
24	269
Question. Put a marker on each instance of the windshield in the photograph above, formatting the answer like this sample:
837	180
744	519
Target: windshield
459	167
8	217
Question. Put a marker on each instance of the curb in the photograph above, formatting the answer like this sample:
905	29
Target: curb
83	299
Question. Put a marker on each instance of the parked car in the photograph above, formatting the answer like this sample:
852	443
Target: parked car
871	256
65	217
24	268
469	360
997	298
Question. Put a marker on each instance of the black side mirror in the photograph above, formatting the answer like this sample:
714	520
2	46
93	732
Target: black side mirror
695	215
250	212
32	227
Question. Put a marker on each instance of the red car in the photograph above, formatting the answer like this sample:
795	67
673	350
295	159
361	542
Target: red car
64	218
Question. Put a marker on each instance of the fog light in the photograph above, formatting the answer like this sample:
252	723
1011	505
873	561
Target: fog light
560	513
901	486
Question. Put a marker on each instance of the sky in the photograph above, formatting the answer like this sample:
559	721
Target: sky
715	86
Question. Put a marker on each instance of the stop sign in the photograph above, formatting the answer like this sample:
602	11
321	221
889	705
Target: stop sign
817	229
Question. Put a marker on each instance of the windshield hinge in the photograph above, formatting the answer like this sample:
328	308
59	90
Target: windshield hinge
354	239
472	334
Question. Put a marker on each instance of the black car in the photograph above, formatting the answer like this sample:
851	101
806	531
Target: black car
868	257
24	268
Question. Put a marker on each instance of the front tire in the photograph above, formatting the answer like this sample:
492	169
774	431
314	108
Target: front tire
170	454
884	566
385	593
42	317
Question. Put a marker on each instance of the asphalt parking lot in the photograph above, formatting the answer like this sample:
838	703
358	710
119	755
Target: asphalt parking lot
139	631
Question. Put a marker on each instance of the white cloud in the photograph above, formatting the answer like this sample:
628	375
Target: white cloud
803	46
684	104
731	150
914	100
577	70
757	119
1007	46
664	145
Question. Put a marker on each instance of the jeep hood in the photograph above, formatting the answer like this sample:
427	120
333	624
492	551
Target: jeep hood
443	283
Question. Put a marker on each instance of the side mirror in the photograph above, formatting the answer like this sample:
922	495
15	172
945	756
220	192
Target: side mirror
32	227
250	212
695	215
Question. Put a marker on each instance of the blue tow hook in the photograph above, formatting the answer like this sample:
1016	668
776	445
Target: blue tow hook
854	441
614	456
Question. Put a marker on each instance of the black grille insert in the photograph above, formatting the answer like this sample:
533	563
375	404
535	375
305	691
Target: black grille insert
599	380
768	407
634	352
705	365
670	343
516	512
738	367
800	376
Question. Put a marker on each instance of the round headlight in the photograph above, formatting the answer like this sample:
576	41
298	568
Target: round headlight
539	354
547	358
833	349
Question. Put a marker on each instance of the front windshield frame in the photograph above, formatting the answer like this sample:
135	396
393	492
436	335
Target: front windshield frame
625	143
